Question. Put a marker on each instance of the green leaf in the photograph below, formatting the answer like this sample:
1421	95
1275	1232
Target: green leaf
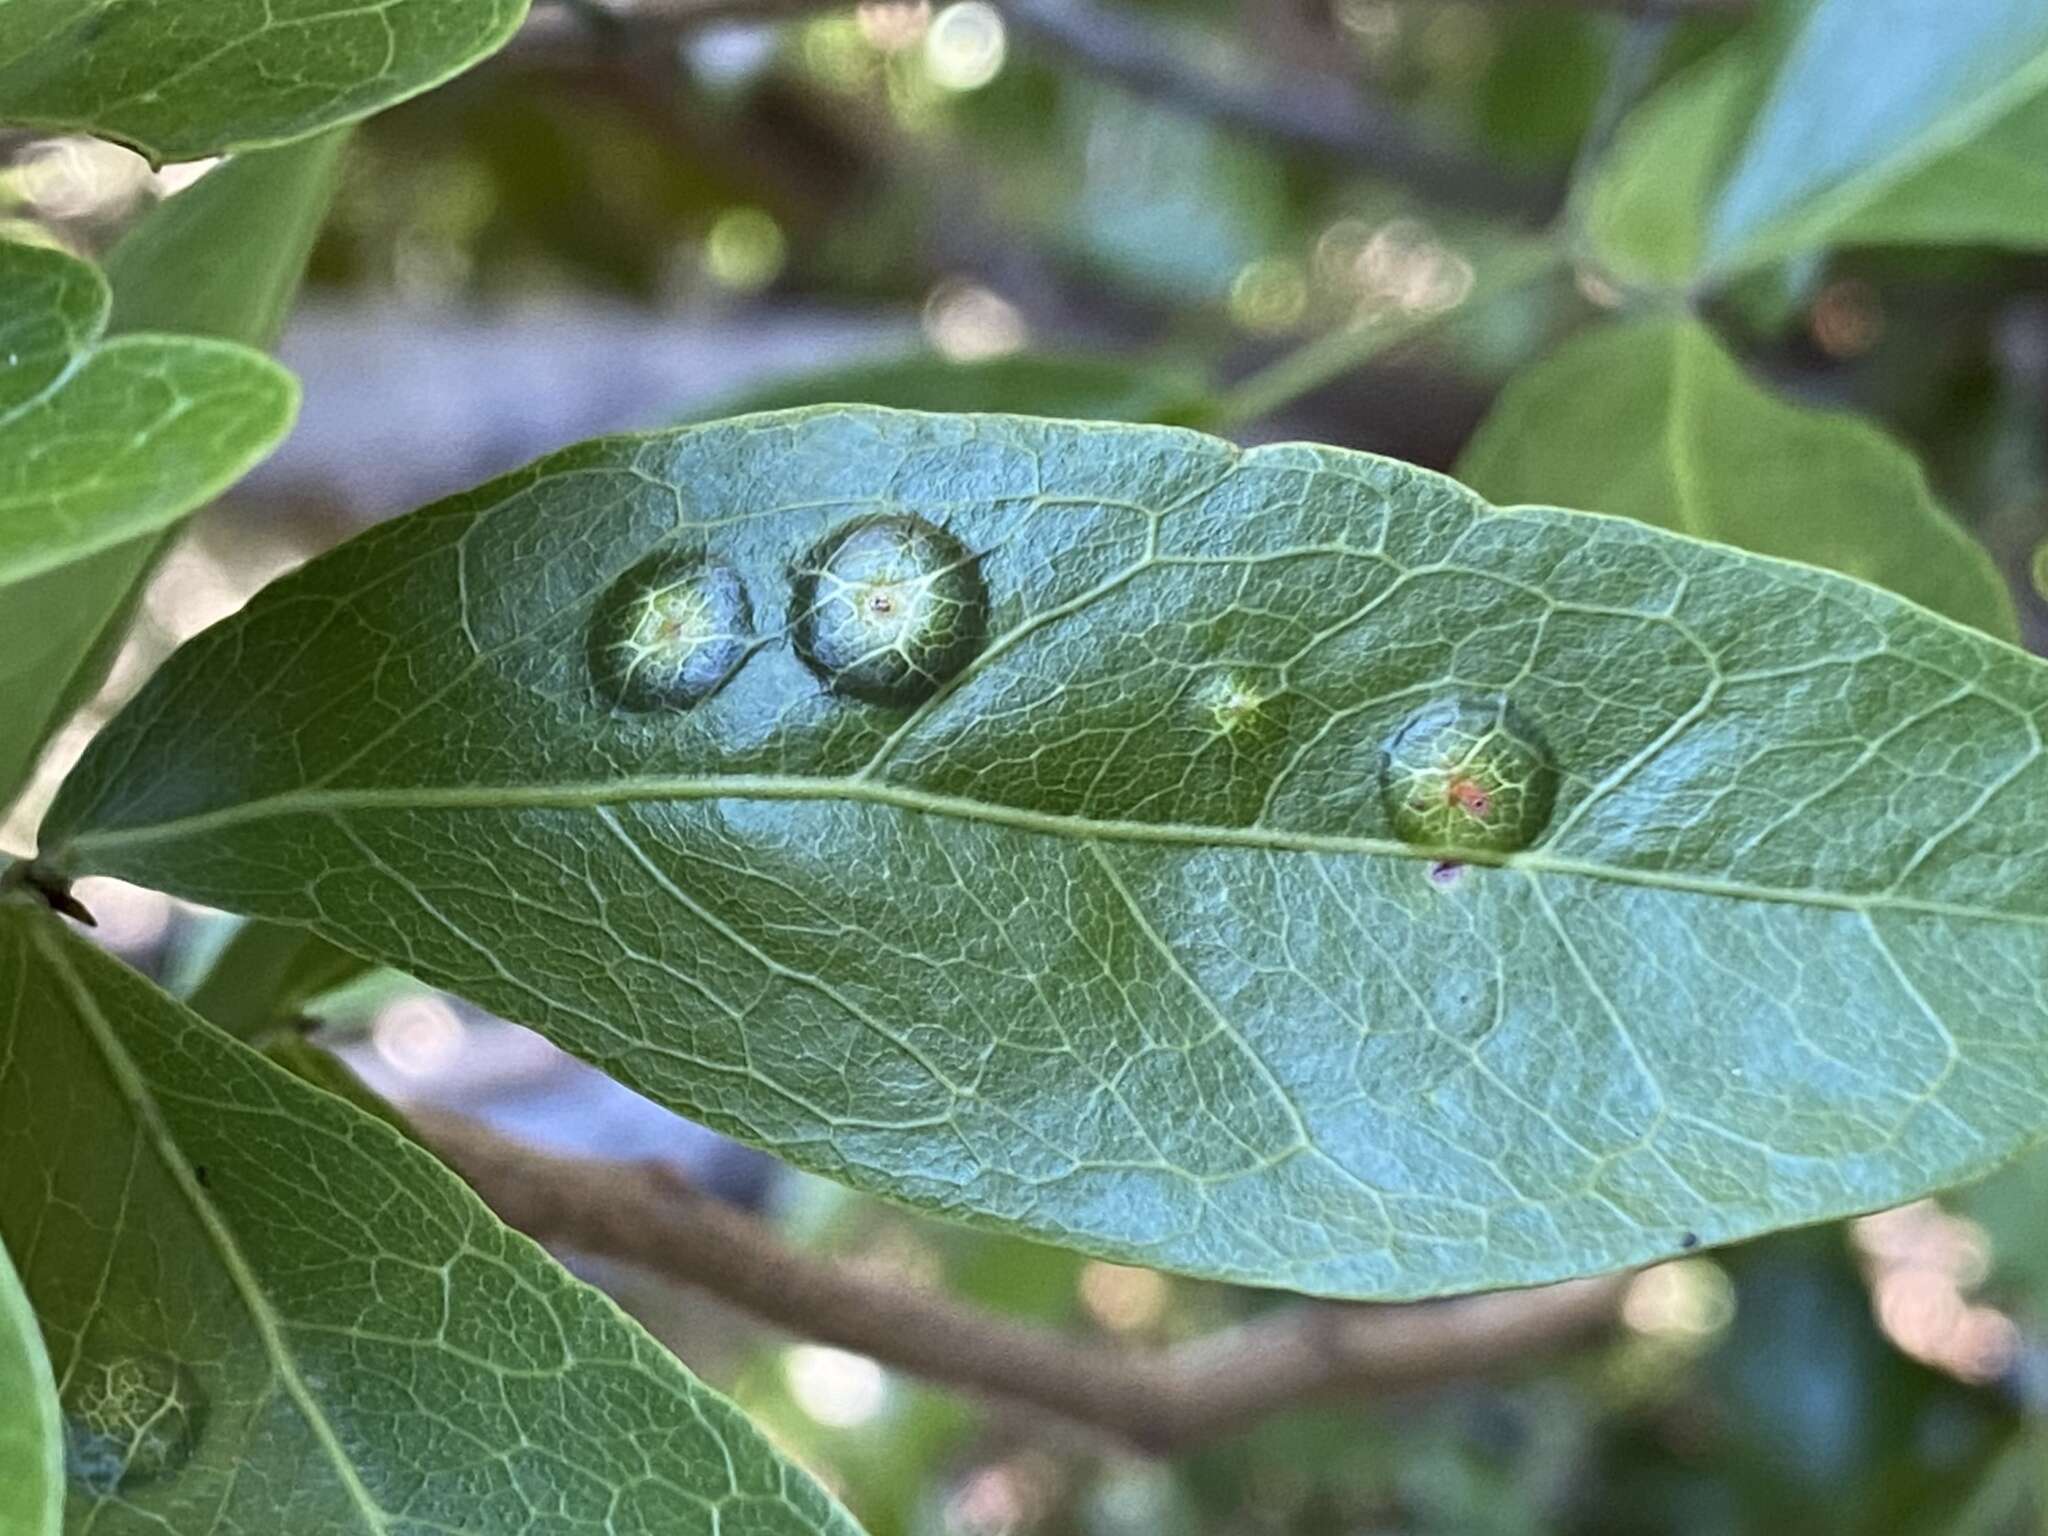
64	629
1871	93
1992	190
1651	196
325	1070
266	974
102	444
107	440
181	79
268	1311
1038	384
224	257
1652	419
1114	939
2012	1207
221	259
31	1443
1851	122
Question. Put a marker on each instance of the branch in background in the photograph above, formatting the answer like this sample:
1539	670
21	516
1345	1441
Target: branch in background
1155	1400
595	25
1325	113
1672	9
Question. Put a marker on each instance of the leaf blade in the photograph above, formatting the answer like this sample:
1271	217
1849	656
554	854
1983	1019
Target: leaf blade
1701	184
31	1446
341	1368
225	257
179	82
113	441
1087	948
1863	102
265	976
1652	419
221	259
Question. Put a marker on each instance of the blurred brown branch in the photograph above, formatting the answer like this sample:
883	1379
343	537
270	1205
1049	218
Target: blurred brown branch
1312	110
1156	1400
1673	8
1318	111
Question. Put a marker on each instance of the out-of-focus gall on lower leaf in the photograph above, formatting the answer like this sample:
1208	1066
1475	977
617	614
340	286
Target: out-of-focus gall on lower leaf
1279	865
268	1311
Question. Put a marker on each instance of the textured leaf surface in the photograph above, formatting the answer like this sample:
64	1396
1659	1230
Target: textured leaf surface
31	1447
181	79
1652	419
1876	122
223	259
1111	940
270	1312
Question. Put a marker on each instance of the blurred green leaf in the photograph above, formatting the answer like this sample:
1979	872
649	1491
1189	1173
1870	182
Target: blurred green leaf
265	976
1071	385
1103	910
1901	121
1650	198
31	1438
103	444
221	259
64	629
269	1311
224	257
104	440
1990	190
1652	419
1935	102
1804	1417
182	79
1542	82
2012	1207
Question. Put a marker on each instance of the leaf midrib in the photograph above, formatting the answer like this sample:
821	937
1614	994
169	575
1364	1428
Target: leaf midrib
134	1091
591	795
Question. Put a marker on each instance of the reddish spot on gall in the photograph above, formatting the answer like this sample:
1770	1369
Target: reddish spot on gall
1469	798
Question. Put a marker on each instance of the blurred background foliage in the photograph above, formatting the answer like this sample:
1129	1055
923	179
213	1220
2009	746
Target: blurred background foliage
619	223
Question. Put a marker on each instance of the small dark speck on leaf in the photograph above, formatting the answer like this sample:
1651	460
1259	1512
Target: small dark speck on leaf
199	1173
1445	872
1689	1240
